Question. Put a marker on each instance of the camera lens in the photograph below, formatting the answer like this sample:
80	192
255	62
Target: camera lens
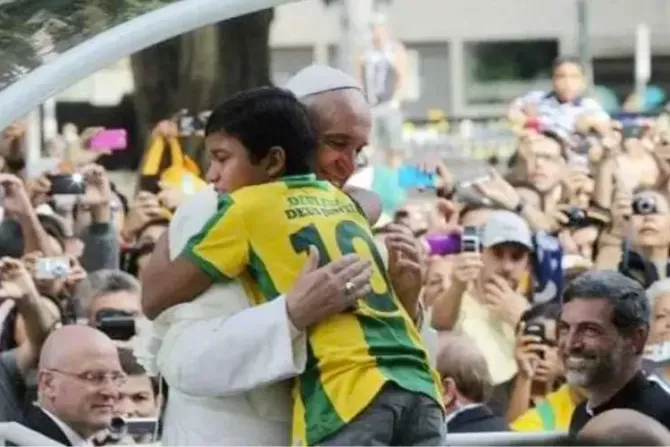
117	427
575	215
644	205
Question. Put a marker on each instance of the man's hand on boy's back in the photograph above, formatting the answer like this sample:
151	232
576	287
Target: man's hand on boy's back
321	292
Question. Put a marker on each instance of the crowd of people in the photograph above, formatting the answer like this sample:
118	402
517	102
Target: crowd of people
280	305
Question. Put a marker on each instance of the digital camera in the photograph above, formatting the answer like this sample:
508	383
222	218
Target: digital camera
470	242
576	216
116	324
443	244
51	268
136	428
644	205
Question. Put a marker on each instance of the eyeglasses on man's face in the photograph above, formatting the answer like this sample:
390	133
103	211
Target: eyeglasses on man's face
95	378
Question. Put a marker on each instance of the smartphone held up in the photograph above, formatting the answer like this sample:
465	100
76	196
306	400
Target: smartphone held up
453	243
52	268
109	140
411	177
66	184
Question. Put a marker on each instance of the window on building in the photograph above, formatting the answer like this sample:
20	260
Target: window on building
498	71
431	78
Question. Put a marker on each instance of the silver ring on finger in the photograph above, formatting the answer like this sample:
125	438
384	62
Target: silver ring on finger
349	287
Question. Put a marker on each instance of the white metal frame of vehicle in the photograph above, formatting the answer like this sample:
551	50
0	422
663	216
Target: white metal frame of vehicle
17	434
115	43
505	438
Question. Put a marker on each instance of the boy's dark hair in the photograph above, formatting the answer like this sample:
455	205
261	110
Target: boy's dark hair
264	117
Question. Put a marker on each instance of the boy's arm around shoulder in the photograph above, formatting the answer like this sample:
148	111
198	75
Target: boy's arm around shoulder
218	253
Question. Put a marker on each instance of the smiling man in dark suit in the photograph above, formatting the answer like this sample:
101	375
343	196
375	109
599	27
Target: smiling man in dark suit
78	385
467	386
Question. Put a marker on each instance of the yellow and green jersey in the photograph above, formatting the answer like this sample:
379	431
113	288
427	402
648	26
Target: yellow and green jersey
261	236
552	414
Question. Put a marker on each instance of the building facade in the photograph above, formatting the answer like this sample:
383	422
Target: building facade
471	57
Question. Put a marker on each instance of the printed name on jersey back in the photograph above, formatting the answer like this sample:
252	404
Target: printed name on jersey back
306	206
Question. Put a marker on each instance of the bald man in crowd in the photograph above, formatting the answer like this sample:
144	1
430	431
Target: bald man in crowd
79	377
467	386
625	427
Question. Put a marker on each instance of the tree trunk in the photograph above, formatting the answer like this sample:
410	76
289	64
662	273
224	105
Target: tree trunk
157	83
198	70
244	53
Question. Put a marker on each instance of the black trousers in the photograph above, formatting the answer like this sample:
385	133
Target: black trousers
395	417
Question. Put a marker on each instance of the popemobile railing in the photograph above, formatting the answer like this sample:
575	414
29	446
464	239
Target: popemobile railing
19	435
504	438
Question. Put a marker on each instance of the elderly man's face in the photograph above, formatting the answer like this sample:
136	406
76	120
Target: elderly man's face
84	391
343	123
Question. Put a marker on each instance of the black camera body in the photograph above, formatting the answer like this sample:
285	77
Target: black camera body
116	324
576	216
537	330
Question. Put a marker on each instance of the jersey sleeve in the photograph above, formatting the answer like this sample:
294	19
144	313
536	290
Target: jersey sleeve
221	248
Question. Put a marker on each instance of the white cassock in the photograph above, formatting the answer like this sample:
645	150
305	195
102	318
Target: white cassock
226	363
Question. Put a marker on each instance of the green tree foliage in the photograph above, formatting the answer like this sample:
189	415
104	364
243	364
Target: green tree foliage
195	71
31	29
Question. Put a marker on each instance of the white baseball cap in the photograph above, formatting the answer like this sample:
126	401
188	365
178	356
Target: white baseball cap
506	227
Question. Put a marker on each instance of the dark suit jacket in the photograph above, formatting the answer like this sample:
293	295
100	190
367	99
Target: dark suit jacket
476	419
36	419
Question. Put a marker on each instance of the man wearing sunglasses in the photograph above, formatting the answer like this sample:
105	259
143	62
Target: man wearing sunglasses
79	379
